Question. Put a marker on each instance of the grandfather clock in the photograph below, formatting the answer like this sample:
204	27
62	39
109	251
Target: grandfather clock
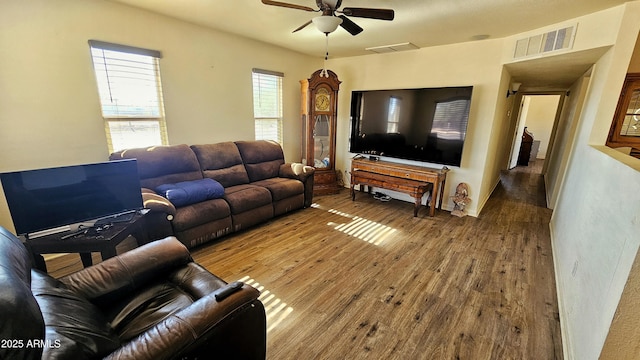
319	115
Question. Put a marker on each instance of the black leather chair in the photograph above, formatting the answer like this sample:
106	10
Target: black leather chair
152	302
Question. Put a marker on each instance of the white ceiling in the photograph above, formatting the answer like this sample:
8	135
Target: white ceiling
421	22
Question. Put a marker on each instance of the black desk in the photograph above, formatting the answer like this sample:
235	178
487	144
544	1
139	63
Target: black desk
103	241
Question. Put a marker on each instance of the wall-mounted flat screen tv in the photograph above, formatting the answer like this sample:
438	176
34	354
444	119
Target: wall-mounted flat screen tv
428	124
49	198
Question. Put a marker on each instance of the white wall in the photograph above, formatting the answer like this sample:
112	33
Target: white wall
596	222
564	140
49	107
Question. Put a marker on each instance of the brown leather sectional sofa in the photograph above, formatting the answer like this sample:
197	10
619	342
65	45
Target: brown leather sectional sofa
258	185
152	302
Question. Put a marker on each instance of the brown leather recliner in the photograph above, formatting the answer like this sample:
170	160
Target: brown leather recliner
152	302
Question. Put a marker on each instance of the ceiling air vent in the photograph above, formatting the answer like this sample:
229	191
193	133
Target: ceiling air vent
392	48
561	39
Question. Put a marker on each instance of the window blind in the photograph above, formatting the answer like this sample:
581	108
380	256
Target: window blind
267	104
451	118
128	82
393	115
130	93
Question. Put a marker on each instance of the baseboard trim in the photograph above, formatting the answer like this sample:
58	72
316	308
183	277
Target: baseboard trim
567	354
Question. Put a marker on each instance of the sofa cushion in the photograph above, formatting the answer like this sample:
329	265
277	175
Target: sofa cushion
74	327
242	198
147	308
252	217
159	165
157	302
262	158
191	192
221	162
281	188
200	213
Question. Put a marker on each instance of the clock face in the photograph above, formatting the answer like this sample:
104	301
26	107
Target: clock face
323	99
322	102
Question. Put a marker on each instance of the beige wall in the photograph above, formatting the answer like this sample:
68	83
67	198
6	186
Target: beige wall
622	341
634	65
432	67
49	108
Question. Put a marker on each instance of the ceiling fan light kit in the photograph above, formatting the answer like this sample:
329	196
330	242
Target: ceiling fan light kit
328	22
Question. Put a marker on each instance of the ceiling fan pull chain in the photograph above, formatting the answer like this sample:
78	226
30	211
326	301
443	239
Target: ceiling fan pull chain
324	73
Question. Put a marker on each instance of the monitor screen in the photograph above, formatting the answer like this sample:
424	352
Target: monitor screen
48	198
426	124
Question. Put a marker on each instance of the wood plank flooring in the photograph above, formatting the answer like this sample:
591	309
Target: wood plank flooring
367	280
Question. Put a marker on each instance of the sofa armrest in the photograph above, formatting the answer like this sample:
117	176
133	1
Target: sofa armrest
296	171
119	275
303	173
156	203
234	327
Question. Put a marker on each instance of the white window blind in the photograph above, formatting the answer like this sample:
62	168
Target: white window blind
451	118
130	92
393	115
267	104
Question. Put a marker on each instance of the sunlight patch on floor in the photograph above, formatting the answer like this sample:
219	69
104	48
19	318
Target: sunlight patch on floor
363	229
275	308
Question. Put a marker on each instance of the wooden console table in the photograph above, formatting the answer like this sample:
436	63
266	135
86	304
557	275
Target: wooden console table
408	179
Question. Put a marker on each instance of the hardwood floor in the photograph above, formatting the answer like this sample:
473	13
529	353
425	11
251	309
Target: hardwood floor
367	280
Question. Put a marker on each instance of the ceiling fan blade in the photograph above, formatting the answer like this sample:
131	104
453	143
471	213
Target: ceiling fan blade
303	26
380	14
287	5
350	26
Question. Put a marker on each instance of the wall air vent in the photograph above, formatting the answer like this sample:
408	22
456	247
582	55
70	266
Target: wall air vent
392	48
556	40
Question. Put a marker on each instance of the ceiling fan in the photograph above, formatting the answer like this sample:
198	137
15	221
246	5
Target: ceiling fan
329	21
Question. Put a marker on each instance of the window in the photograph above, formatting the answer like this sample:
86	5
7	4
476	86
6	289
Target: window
393	115
625	128
451	118
130	93
267	104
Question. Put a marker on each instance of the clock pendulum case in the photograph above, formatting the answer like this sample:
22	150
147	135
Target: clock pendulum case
319	110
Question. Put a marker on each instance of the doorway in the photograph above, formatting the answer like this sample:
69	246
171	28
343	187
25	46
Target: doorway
538	114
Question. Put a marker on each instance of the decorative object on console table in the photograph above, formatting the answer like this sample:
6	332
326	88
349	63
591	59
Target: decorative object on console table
319	110
460	200
525	148
409	179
